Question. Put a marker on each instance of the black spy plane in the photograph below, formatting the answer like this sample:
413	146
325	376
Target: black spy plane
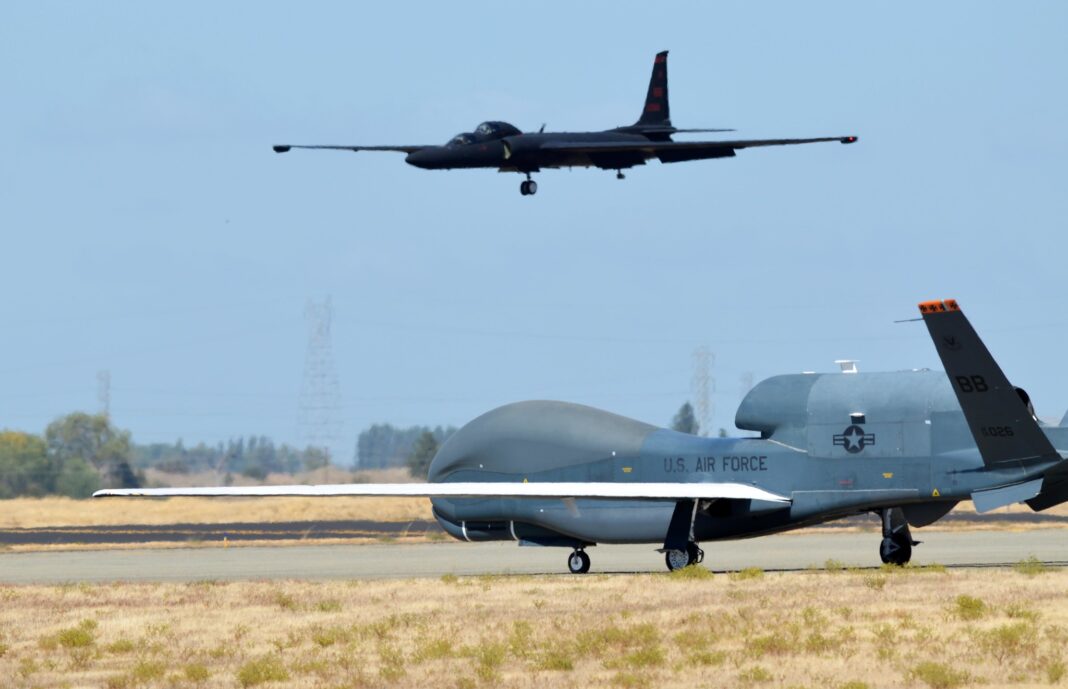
503	146
905	445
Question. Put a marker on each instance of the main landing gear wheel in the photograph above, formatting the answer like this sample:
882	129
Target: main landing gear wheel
528	187
677	559
578	562
895	550
896	546
620	175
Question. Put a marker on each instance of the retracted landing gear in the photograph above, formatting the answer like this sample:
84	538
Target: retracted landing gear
578	562
528	187
896	546
677	559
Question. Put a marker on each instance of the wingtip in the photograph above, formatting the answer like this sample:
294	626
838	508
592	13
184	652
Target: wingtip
849	139
281	149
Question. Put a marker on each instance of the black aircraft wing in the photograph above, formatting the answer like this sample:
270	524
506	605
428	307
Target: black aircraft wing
678	151
285	148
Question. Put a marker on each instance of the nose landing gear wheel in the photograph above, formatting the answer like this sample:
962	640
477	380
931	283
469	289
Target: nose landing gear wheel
578	562
528	187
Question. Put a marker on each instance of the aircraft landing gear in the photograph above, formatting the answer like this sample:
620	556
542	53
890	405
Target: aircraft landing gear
528	187
896	546
620	175
578	562
677	559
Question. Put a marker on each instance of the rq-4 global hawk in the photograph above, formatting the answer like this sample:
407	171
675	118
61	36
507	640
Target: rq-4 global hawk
504	147
907	446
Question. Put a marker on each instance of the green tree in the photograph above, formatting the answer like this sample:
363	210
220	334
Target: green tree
685	421
92	439
423	451
25	468
315	458
77	479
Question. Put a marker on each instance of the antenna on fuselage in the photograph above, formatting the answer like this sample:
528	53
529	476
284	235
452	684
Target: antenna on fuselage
847	365
542	127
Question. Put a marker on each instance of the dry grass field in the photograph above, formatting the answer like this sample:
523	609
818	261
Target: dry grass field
54	511
830	628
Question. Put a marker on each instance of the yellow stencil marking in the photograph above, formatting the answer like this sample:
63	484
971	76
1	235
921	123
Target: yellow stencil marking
935	493
888	474
626	470
524	480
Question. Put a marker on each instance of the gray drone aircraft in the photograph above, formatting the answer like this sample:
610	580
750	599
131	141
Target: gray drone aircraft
907	446
503	146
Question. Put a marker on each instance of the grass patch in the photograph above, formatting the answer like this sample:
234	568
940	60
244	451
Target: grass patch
746	574
834	566
261	670
1031	566
449	579
707	658
1055	671
969	608
120	646
875	582
557	658
285	601
325	637
755	675
938	676
691	572
1008	641
146	671
80	636
432	649
197	673
328	605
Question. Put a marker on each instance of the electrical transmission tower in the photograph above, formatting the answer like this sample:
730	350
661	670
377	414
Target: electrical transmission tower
103	391
701	386
745	384
319	420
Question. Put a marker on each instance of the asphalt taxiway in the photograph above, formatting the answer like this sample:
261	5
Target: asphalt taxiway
376	561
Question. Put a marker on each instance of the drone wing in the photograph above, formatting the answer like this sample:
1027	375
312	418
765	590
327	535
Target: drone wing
635	491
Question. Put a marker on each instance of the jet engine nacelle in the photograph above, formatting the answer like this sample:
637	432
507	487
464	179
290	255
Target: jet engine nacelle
516	149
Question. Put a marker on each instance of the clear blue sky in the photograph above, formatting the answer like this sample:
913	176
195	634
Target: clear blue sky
149	230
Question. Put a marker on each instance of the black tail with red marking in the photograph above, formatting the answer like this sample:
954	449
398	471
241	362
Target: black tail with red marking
656	112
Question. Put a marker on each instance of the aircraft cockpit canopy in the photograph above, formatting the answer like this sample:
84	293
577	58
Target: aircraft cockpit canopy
495	130
487	131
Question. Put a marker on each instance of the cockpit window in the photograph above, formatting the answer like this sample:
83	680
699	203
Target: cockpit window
487	129
461	140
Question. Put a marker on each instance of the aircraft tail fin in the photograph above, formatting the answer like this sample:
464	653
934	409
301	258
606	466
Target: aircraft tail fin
997	413
656	111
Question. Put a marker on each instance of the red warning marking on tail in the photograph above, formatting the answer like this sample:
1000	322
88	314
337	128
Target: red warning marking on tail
660	59
658	92
652	107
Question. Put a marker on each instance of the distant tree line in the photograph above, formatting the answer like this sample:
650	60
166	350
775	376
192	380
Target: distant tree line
255	457
384	446
80	453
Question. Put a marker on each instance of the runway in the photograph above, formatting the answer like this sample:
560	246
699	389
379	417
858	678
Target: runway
782	552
